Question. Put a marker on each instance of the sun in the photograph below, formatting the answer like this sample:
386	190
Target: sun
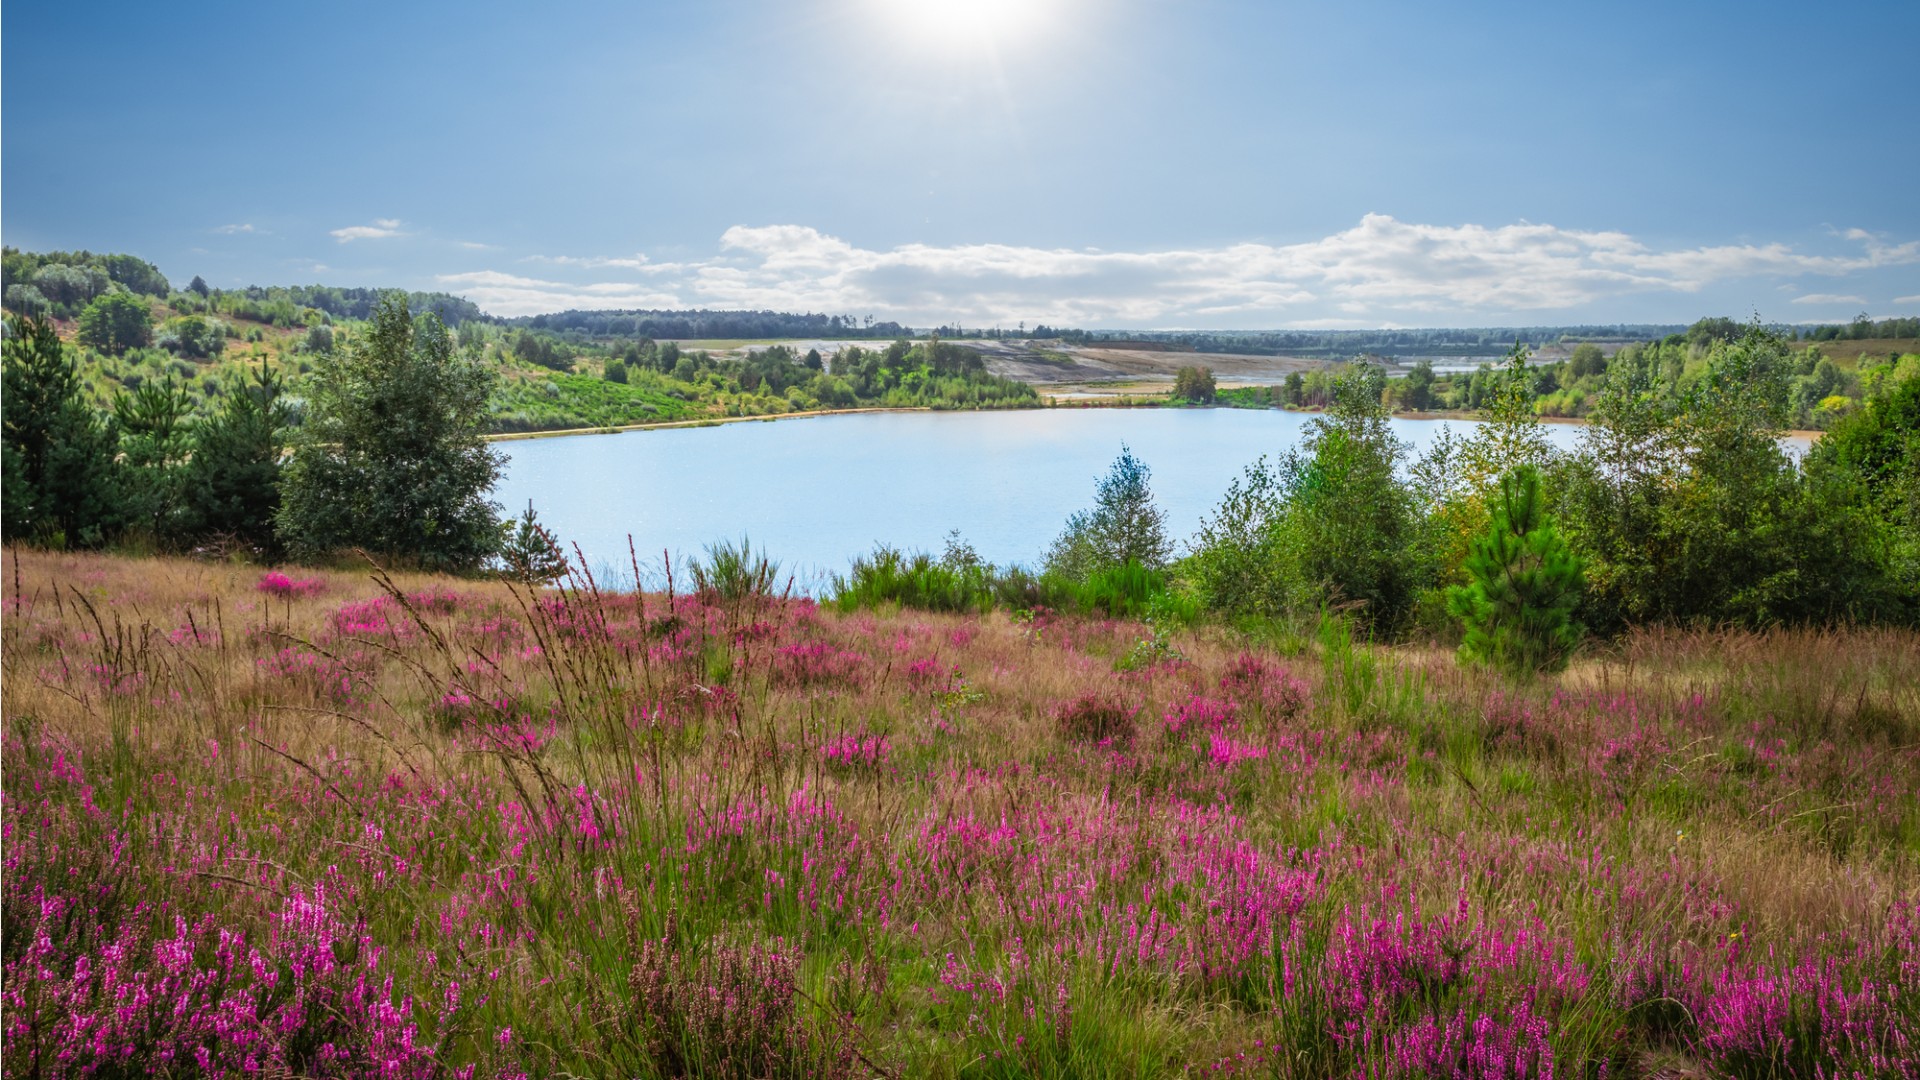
966	22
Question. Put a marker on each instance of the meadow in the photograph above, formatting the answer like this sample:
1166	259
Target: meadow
341	822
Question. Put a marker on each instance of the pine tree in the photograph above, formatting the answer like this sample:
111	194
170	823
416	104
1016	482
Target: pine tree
1525	584
530	552
60	482
232	488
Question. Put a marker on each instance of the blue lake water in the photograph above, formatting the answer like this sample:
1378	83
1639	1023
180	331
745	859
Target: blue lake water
816	492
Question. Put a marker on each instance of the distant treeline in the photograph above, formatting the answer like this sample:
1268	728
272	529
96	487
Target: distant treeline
1477	342
700	325
1338	344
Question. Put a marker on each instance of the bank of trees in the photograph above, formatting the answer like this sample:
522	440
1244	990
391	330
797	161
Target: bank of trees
390	457
1679	505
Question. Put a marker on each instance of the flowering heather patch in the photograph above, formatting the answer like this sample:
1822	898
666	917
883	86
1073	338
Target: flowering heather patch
436	832
275	583
818	663
856	751
1096	718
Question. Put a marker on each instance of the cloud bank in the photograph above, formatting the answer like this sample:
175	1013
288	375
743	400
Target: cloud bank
1379	272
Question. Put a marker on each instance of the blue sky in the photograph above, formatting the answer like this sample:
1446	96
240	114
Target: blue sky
1106	163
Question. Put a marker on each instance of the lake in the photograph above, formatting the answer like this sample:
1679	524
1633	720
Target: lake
818	491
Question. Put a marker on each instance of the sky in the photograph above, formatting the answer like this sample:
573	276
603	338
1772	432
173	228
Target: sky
1093	163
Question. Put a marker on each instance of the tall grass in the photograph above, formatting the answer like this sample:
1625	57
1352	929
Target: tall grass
351	824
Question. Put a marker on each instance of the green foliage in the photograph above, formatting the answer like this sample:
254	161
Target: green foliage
60	479
1238	561
1123	526
917	581
1126	590
1416	390
115	323
1686	509
231	491
1195	384
1350	528
154	438
735	572
195	336
530	553
1524	585
391	458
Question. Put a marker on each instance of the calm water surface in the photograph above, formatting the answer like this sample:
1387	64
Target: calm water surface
816	492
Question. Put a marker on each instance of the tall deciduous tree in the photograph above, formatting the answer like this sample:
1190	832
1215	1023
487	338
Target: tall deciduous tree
115	323
391	457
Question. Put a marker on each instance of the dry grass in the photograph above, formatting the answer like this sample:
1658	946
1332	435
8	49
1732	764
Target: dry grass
517	793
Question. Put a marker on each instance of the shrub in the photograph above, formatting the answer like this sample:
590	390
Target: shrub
734	572
1096	718
914	581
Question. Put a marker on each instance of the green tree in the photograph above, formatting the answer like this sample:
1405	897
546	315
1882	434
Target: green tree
1350	530
154	439
391	458
530	553
1523	587
232	483
1237	560
60	473
1587	359
1124	525
1417	389
116	322
1195	384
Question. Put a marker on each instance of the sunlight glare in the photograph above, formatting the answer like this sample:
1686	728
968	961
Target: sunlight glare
967	22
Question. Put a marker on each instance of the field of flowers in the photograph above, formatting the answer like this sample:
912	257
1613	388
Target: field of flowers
349	824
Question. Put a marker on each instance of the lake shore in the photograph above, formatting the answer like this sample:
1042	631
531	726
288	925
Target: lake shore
1049	402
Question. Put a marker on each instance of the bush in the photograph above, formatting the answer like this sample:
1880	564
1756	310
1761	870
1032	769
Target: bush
1096	718
193	336
915	581
1121	592
734	572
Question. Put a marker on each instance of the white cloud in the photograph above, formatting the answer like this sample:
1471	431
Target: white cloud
510	294
1379	272
1830	298
594	262
1914	299
229	230
380	229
